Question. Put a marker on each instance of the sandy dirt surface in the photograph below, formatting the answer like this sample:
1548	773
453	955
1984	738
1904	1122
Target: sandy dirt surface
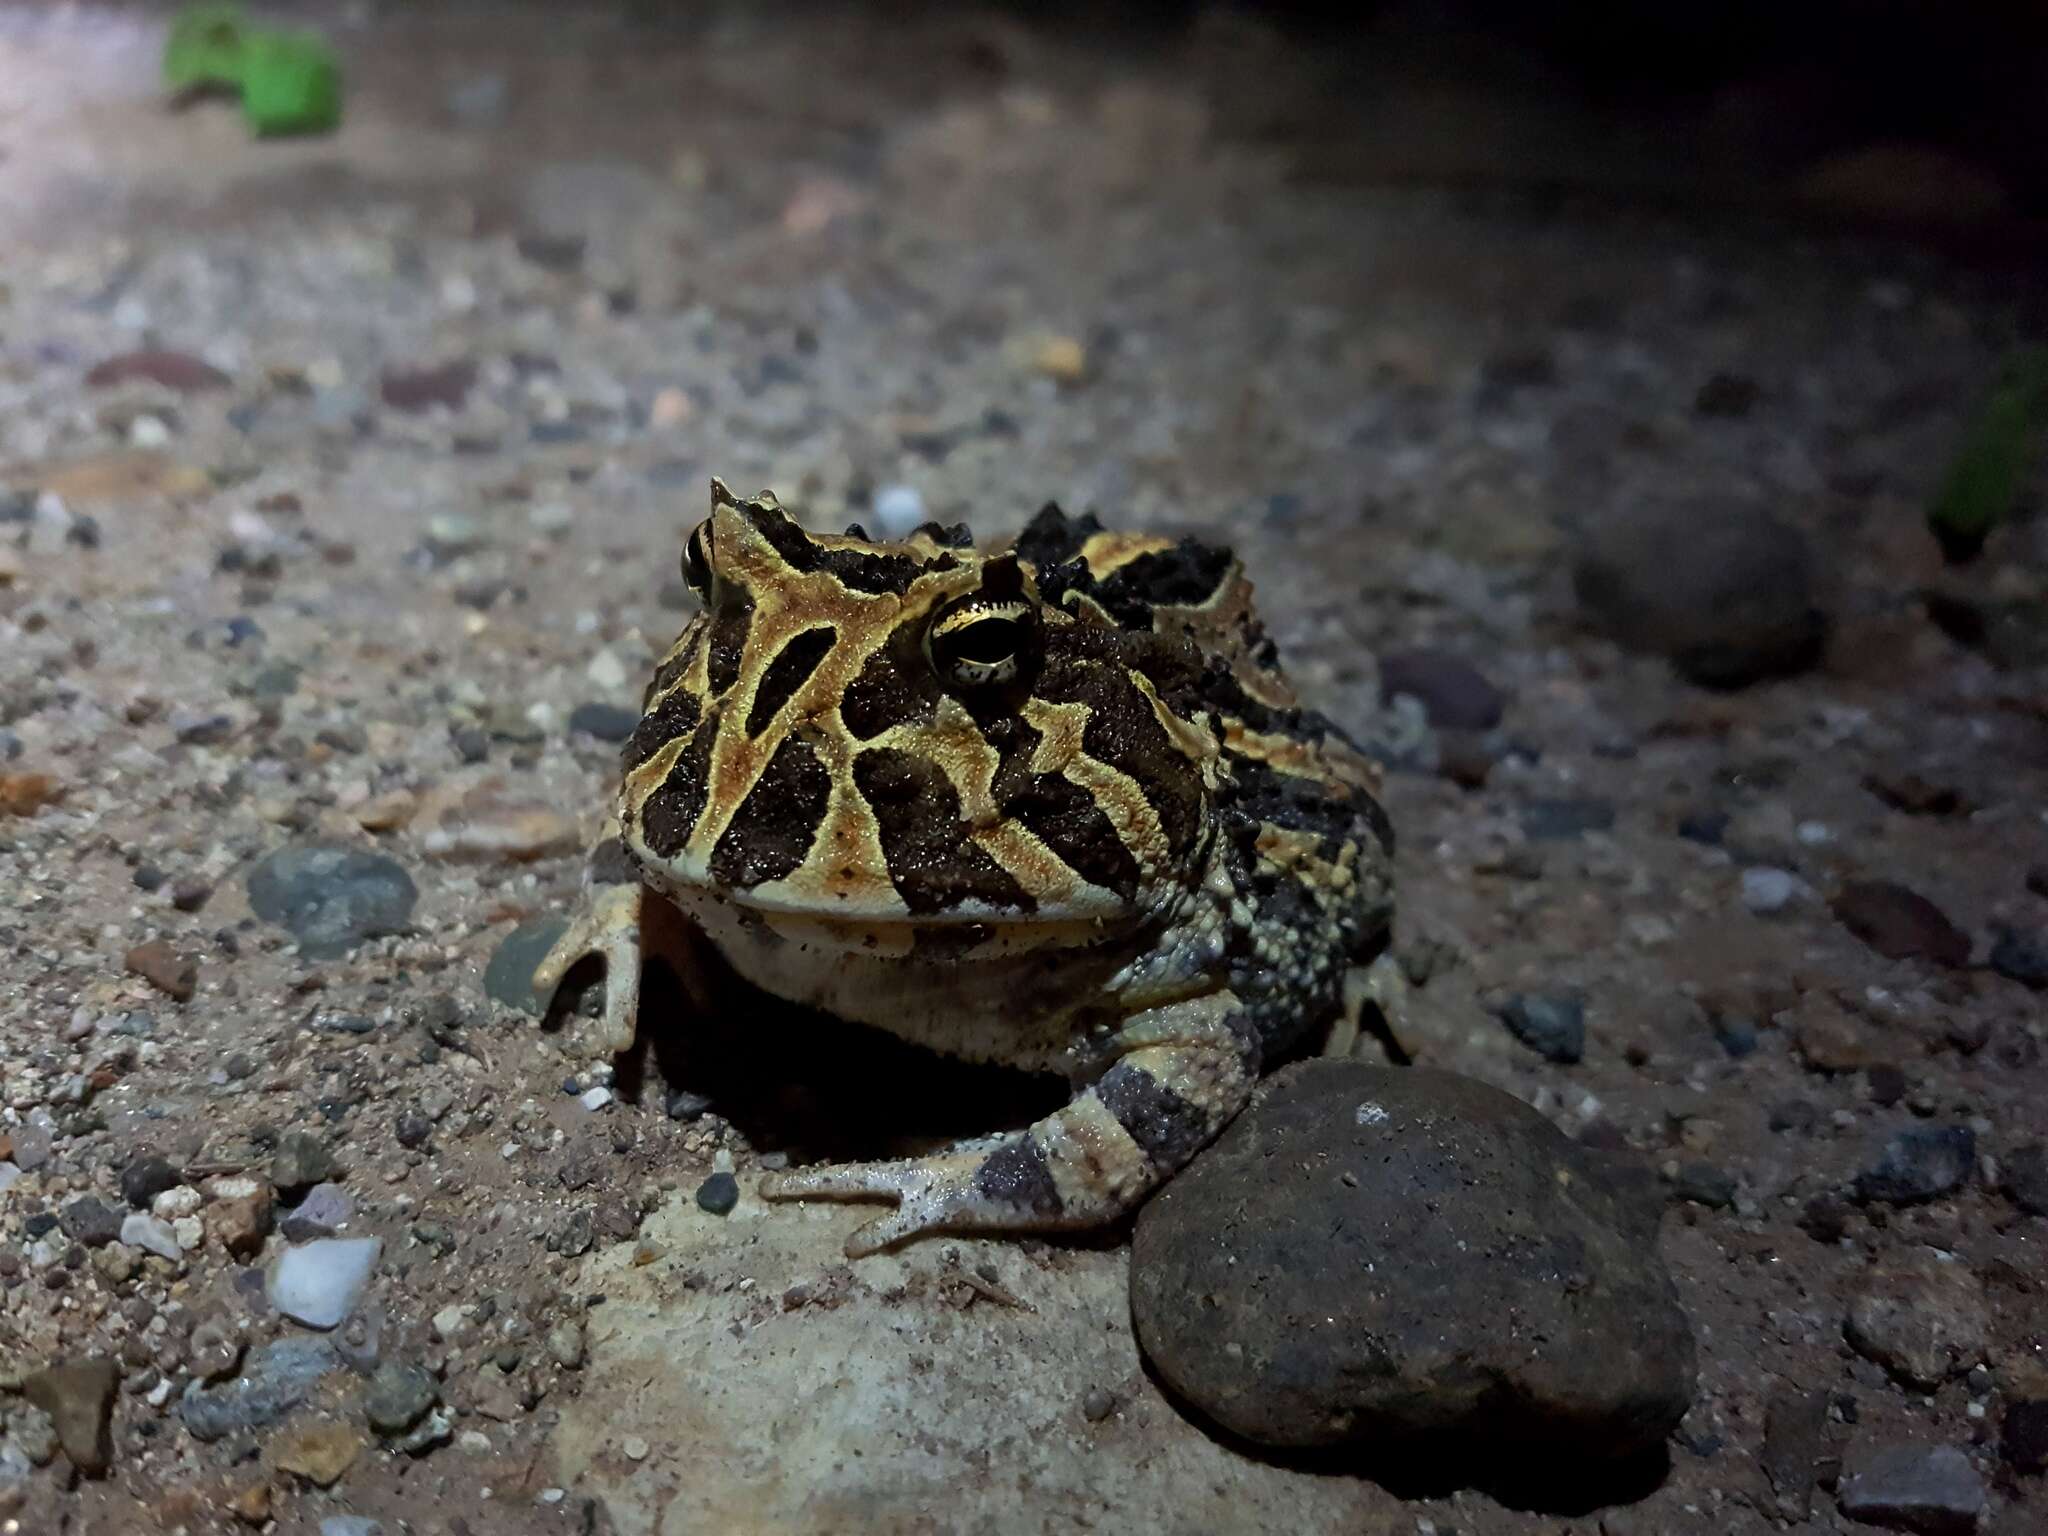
342	489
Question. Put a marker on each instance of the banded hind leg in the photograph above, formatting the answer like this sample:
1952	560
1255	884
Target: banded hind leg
1180	1072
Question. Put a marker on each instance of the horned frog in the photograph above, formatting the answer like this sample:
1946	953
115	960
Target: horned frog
1054	806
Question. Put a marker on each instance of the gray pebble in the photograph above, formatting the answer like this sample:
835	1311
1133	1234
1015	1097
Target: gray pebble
332	899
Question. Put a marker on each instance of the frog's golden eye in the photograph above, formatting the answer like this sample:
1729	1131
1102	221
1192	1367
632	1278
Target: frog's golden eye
984	642
697	560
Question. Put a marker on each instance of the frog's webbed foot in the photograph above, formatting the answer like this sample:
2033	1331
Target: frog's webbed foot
1376	1004
1182	1071
606	925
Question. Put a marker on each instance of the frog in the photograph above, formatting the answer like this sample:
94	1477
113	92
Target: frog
1052	805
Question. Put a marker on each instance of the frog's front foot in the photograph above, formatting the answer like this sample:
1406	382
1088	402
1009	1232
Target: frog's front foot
607	925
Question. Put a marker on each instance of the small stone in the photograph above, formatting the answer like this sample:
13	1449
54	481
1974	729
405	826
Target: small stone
152	1235
1298	1307
435	1429
421	389
171	973
1097	1405
1767	891
179	371
565	1344
605	722
319	1453
275	1379
1453	693
635	1448
1553	1027
1922	1318
594	1099
1726	394
178	1201
2024	1178
670	408
897	511
1060	358
1727	592
351	1525
91	1222
1795	1447
1931	1490
1705	827
332	899
1900	924
450	1322
1831	1039
252	1505
241	1223
190	894
79	1399
301	1161
2021	955
490	827
319	1283
718	1194
324	1210
387	812
473	1442
398	1397
685	1105
2023	1439
213	1351
35	1141
1918	1164
412	1128
1704	1184
23	794
508	978
1562	820
606	671
35	1432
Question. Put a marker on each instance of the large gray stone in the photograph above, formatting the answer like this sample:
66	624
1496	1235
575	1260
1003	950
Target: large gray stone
1932	1490
1380	1254
332	899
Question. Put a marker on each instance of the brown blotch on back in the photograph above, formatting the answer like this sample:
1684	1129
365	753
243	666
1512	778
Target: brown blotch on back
730	622
894	687
674	716
776	824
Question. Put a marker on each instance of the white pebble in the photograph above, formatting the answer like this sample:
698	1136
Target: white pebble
319	1283
351	1525
475	1442
596	1098
897	510
148	432
607	671
635	1448
150	1235
179	1200
1766	890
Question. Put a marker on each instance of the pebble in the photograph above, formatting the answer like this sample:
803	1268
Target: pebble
1932	1490
718	1194
1553	1027
490	827
421	389
594	1099
897	511
1900	924
150	1234
635	1448
1704	1184
325	1210
1767	891
35	1432
473	1442
319	1283
1726	591
1795	1447
1918	1164
79	1398
1453	693
1283	1285
178	371
332	899
214	1351
605	722
320	1453
398	1397
173	974
565	1344
301	1161
508	978
2021	955
35	1139
351	1525
91	1222
1923	1318
275	1379
1561	820
2024	1178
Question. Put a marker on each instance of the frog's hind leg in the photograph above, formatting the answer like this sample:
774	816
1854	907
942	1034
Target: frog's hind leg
621	922
1180	1073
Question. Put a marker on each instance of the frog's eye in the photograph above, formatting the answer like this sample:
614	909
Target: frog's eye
984	642
697	560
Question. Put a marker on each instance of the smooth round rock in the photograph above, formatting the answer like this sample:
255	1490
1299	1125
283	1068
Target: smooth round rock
332	899
1388	1255
508	977
1726	591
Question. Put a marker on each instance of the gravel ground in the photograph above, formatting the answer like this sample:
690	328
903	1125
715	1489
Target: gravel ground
341	493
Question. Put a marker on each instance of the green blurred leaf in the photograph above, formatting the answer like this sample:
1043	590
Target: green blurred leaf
291	83
1984	480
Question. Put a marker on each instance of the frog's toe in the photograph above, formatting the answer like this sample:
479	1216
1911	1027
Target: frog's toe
609	928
